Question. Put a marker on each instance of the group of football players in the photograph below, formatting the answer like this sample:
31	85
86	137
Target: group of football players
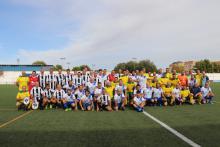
100	90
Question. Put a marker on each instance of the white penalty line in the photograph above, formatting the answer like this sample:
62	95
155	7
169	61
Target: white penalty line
181	136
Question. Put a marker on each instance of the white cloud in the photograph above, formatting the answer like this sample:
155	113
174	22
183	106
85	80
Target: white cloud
112	31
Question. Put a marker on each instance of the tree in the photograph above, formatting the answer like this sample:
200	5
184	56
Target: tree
132	65
57	67
81	67
39	63
206	65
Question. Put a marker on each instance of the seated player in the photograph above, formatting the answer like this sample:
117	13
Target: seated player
138	89
37	95
121	87
91	85
176	95
139	102
20	99
86	102
69	86
207	94
104	101
69	102
148	93
119	100
60	96
168	94
48	94
158	96
197	95
186	96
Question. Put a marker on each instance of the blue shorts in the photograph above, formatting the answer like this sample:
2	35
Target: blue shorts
148	99
158	98
119	105
86	105
70	103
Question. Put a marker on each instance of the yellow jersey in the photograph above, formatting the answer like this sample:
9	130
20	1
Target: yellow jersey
199	79
130	86
185	93
110	90
174	82
22	81
167	90
163	81
22	95
168	75
124	79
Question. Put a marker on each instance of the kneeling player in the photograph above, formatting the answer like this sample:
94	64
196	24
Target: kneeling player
69	102
187	96
104	101
119	100
207	93
86	102
176	95
59	96
158	96
168	94
23	96
148	91
139	102
37	95
47	100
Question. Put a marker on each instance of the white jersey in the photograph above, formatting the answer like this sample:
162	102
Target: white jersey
79	94
98	91
87	99
176	93
70	98
142	80
138	91
59	94
48	93
139	100
121	88
51	79
205	91
158	92
104	99
42	80
119	98
37	93
148	92
91	87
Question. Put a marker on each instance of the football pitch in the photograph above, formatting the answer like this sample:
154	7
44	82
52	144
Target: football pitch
199	123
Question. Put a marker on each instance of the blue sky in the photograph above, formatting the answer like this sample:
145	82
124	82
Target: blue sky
105	32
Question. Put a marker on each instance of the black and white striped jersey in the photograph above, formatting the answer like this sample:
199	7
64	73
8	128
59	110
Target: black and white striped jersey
78	81
69	77
85	78
37	93
61	79
104	99
42	80
48	93
52	81
59	94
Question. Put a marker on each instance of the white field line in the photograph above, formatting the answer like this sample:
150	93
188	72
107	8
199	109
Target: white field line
179	135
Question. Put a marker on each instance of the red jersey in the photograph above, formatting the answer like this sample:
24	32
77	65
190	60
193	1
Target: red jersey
33	80
111	78
183	80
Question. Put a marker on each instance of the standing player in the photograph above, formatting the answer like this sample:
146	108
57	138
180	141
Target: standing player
22	81
51	79
60	78
68	77
42	78
33	79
